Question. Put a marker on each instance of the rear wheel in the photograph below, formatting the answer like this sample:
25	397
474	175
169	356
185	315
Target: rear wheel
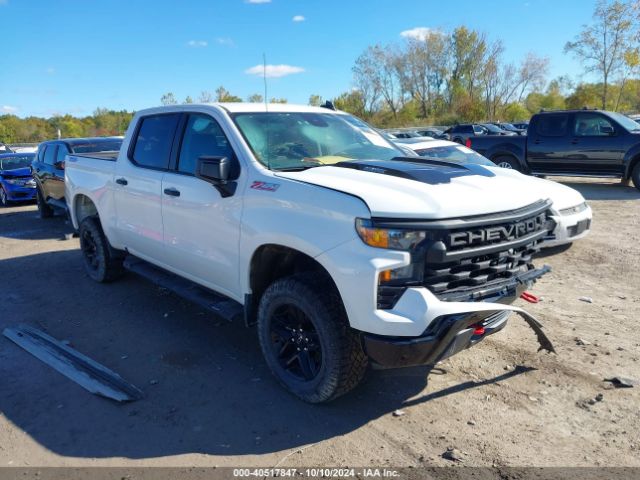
4	202
44	209
307	341
100	263
509	163
635	176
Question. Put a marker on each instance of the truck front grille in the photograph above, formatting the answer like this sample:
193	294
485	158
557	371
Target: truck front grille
475	258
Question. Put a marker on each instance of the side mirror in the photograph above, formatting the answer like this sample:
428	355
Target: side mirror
214	170
607	130
59	165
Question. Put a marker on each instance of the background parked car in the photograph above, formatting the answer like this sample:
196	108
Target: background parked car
570	210
16	182
48	167
495	130
4	148
460	133
521	125
431	132
509	127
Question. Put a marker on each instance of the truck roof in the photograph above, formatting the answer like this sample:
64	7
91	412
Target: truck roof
244	107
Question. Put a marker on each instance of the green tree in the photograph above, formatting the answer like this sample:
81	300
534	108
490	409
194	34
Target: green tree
223	95
168	99
315	100
255	98
602	46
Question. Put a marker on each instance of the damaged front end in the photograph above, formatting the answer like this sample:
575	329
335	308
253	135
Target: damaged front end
465	273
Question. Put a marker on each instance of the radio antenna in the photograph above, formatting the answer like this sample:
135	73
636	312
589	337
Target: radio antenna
266	107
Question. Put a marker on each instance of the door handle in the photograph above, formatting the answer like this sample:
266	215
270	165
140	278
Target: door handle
537	142
122	181
574	141
172	192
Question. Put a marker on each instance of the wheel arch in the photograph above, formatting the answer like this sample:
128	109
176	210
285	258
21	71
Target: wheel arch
82	207
271	262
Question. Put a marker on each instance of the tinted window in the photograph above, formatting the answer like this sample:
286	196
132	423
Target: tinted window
202	137
15	162
154	140
592	125
62	152
552	125
111	145
50	154
41	150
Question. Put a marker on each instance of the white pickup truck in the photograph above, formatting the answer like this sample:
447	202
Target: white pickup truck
308	223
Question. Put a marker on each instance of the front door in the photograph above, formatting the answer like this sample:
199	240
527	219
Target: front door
201	227
597	150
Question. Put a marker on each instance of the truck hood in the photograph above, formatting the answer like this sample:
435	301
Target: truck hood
561	195
422	188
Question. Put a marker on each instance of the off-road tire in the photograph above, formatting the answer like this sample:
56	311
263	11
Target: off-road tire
44	210
635	176
4	202
100	261
507	162
344	362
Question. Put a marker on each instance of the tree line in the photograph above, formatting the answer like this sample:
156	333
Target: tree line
437	77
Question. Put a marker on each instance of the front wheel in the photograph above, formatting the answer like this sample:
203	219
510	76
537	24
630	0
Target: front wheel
635	176
307	341
507	162
99	262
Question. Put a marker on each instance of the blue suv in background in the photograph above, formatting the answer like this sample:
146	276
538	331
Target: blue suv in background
16	182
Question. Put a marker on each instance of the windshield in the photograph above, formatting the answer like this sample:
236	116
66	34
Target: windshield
13	163
625	121
298	140
455	153
492	128
98	146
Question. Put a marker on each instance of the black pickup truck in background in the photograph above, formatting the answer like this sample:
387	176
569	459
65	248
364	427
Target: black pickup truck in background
585	143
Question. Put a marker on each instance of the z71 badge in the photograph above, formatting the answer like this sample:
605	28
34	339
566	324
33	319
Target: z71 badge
267	187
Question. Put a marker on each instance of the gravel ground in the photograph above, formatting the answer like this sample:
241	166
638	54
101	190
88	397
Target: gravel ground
209	399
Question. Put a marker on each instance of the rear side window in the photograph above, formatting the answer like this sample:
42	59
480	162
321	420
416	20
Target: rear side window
552	125
62	152
154	140
202	137
50	154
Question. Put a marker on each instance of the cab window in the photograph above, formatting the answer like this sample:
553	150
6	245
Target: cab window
154	140
592	125
202	137
50	154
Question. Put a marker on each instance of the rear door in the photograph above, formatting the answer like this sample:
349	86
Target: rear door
55	183
596	145
202	228
548	144
138	186
47	170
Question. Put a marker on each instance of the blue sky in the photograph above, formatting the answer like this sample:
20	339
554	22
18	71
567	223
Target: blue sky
71	56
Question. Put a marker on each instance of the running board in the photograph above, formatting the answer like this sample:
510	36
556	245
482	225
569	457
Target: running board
87	373
214	302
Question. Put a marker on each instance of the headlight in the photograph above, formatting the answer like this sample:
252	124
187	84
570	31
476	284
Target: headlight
392	239
573	210
14	182
30	183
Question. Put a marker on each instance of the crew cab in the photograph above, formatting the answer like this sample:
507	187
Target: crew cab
587	143
570	211
309	224
47	168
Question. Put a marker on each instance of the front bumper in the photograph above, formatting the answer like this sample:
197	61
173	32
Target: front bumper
569	228
19	193
452	334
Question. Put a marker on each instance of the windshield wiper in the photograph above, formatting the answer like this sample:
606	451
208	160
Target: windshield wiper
300	168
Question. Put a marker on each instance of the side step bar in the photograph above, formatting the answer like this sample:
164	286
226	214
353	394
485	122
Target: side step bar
214	302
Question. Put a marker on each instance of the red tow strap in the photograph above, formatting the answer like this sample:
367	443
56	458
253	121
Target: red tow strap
529	297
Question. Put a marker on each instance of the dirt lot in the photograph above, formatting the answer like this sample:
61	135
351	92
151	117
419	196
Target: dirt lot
211	401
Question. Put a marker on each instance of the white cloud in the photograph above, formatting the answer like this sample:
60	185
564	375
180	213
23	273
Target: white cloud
8	108
273	71
225	41
298	18
197	43
418	33
257	1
